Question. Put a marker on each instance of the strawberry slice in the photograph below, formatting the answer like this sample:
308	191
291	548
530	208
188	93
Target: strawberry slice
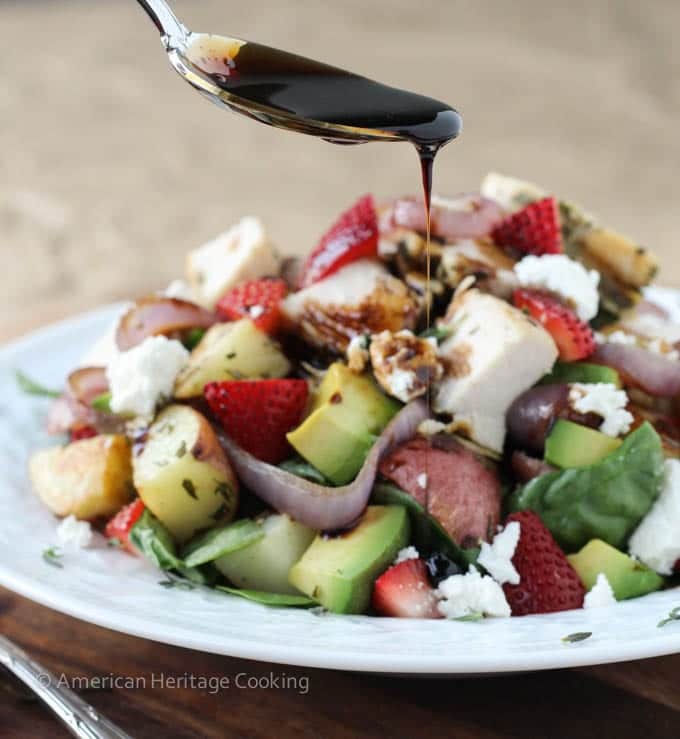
533	230
82	432
353	236
258	300
404	591
121	524
548	582
258	414
574	338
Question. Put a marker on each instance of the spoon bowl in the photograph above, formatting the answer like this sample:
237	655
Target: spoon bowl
298	94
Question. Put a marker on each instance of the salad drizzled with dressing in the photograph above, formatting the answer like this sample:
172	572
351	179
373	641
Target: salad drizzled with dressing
293	432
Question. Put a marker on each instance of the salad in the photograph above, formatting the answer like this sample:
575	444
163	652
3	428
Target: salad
293	431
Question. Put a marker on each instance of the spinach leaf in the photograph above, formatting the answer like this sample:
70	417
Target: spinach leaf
31	387
155	542
270	599
604	501
426	532
193	338
216	542
302	468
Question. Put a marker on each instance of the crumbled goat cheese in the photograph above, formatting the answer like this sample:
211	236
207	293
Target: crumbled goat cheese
600	595
607	401
496	558
463	595
400	383
74	534
656	541
255	311
430	427
659	346
621	337
559	274
357	353
144	375
405	554
422	480
179	289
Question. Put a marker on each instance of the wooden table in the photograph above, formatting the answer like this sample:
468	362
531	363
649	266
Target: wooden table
638	699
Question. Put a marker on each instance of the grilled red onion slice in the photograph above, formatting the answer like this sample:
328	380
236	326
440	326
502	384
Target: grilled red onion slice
318	506
74	407
468	216
651	372
158	315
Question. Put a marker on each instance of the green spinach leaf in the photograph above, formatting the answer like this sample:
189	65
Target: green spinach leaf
31	387
604	501
223	540
302	468
270	599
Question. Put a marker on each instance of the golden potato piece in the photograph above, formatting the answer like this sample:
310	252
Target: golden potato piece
183	475
631	264
88	478
231	351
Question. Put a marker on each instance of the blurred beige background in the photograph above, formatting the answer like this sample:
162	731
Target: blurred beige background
111	167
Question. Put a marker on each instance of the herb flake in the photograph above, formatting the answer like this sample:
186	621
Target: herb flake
576	637
674	615
53	556
31	387
189	488
182	450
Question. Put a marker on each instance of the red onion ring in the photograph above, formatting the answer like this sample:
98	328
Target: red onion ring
644	369
472	216
158	315
318	506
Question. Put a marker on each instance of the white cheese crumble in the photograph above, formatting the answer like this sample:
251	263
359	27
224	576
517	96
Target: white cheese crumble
74	534
430	427
422	480
656	541
463	595
144	375
600	595
607	401
400	383
496	558
357	353
569	279
660	347
405	554
179	289
620	337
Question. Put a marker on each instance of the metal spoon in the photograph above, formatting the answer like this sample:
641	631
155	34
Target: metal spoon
206	62
80	718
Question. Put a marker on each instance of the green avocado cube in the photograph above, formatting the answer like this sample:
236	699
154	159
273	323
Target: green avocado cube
627	577
338	570
573	445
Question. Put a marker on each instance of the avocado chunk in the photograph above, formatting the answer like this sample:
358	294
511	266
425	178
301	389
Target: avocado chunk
627	577
339	570
581	372
348	413
572	445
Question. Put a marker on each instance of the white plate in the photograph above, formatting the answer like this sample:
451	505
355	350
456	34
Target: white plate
112	589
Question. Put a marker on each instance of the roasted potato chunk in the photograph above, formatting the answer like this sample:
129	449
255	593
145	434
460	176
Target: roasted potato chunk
88	478
183	475
231	351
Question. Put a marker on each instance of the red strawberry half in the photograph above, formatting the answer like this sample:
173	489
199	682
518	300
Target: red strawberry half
258	414
574	338
548	582
258	300
404	591
533	230
121	524
353	236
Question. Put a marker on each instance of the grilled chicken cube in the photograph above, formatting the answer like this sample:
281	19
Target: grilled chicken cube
495	353
244	252
361	298
404	364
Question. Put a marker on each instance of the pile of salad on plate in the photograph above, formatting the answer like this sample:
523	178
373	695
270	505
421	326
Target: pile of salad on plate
291	430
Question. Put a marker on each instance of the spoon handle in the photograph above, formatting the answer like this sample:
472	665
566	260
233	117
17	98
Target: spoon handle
80	718
164	19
